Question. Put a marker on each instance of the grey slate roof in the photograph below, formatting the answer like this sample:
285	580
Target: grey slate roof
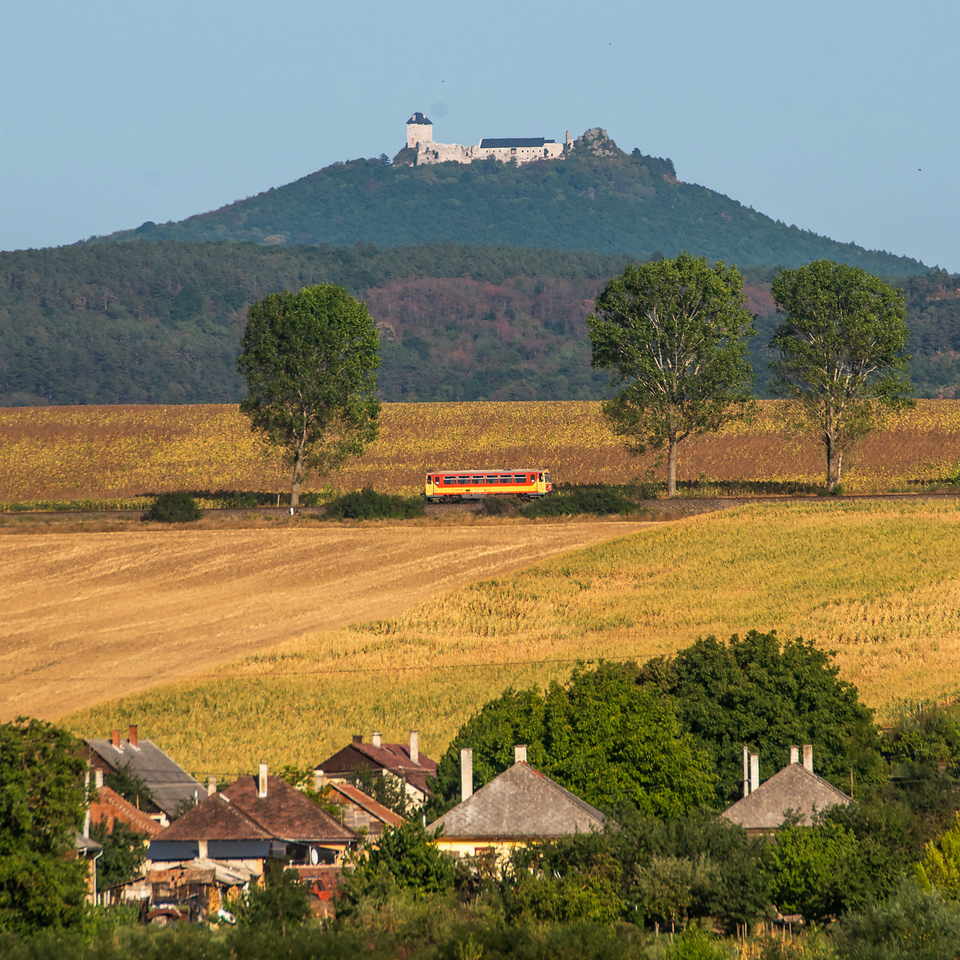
793	788
514	142
169	783
521	803
418	117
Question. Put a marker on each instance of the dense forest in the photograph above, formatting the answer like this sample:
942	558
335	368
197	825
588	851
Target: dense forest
161	322
599	198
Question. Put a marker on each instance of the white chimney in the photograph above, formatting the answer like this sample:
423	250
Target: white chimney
746	772
466	773
754	771
794	754
520	753
808	757
375	739
415	747
98	778
262	785
211	785
319	780
86	801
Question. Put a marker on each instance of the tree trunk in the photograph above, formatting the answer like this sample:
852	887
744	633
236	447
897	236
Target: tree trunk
834	462
296	480
671	468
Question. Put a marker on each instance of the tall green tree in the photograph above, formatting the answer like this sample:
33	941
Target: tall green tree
840	352
610	740
42	883
674	332
310	361
758	691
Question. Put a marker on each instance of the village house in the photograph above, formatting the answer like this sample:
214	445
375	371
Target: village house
505	149
516	807
227	840
794	792
359	812
171	787
402	761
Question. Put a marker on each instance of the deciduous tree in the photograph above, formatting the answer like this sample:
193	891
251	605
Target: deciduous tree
840	352
674	332
310	361
42	883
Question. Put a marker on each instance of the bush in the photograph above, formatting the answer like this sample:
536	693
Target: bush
367	504
572	499
174	508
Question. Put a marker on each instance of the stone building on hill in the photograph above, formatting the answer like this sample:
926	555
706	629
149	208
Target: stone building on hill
505	149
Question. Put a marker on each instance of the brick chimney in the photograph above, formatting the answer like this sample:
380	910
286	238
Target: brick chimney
262	783
358	738
808	757
132	736
116	739
520	753
375	739
415	747
466	773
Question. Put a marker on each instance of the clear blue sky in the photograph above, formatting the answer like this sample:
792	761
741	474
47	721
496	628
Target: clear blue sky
840	117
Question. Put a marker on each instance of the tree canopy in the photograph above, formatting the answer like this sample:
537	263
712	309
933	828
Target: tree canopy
840	352
767	694
674	332
310	361
609	740
42	883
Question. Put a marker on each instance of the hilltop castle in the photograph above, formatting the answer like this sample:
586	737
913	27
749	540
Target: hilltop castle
516	150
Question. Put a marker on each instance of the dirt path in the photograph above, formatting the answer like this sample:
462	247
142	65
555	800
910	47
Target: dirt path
91	616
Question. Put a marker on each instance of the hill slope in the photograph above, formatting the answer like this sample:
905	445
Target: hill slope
161	322
599	199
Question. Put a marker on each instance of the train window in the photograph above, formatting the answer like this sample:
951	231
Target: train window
520	478
463	481
493	479
449	480
506	479
478	479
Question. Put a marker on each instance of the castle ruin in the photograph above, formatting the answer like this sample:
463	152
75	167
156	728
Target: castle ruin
506	150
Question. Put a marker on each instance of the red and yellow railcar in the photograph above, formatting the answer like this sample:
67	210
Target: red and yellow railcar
452	486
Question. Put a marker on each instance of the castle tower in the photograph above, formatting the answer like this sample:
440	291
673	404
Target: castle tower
419	130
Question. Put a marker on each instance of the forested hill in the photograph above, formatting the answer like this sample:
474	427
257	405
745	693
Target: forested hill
161	322
599	199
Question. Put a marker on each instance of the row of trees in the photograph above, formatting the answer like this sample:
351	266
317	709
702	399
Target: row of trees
675	334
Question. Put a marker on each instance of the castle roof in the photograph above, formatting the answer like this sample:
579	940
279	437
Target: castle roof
515	142
418	117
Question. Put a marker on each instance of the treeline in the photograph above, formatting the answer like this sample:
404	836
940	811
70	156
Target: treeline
599	198
161	322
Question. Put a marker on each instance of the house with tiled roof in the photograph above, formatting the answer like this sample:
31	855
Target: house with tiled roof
518	806
403	761
358	811
795	793
255	819
171	787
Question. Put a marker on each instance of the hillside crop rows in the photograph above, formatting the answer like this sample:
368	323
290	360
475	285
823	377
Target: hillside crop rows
116	455
875	581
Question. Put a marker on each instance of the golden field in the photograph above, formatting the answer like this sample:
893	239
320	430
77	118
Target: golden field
249	643
116	455
879	582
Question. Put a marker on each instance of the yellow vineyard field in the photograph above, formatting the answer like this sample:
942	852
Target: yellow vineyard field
875	581
119	454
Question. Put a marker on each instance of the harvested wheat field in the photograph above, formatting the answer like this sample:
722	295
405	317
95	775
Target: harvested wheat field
91	616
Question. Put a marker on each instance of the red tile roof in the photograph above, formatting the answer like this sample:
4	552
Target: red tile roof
110	806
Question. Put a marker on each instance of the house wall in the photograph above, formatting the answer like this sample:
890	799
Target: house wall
466	847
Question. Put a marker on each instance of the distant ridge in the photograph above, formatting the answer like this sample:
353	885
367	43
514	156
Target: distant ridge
598	199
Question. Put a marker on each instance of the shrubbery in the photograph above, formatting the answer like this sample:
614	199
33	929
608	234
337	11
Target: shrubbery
367	504
174	507
569	499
